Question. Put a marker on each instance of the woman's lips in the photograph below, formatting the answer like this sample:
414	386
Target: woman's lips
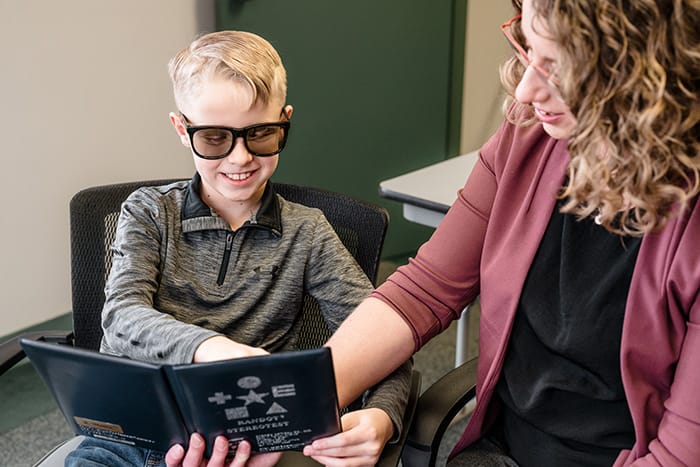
547	117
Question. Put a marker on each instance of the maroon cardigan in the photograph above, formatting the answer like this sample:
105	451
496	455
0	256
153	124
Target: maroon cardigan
502	212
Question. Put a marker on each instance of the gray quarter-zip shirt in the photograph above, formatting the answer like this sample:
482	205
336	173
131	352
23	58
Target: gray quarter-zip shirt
180	275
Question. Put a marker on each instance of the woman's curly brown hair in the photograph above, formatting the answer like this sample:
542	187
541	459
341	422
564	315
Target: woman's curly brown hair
630	73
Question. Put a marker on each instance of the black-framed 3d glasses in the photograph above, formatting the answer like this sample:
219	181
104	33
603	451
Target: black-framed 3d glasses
216	142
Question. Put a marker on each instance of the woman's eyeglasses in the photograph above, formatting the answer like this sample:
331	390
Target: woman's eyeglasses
217	142
522	55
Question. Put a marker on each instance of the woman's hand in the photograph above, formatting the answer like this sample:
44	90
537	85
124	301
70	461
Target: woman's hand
194	457
365	432
223	348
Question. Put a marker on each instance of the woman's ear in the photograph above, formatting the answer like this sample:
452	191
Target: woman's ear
288	110
179	125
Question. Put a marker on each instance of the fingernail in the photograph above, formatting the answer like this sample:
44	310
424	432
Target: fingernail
221	443
196	441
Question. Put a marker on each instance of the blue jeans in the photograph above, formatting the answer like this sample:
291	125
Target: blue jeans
94	452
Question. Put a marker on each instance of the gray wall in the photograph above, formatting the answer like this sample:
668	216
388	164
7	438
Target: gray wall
85	98
486	49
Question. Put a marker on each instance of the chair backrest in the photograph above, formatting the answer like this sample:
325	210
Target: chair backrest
93	219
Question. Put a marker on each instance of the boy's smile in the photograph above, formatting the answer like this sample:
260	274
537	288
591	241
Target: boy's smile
239	176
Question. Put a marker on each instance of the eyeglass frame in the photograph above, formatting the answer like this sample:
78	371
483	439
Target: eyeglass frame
522	56
236	133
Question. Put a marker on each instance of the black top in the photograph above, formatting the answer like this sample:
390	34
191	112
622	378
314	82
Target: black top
561	386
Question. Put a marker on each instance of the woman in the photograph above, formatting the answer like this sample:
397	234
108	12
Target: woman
579	229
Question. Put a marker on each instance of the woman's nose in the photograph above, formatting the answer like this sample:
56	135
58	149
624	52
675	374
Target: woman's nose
532	87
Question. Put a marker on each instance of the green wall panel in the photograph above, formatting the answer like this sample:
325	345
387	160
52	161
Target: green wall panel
373	86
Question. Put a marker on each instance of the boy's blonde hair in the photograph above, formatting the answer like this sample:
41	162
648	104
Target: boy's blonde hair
238	56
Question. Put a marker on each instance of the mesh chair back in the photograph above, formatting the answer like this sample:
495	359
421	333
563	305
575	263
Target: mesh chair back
93	219
360	226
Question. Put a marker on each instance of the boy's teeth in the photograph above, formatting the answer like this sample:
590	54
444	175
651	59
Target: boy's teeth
242	176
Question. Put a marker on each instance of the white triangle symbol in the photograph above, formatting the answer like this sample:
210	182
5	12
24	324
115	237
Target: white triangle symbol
276	408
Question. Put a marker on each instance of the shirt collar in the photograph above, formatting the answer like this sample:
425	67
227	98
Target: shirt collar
196	215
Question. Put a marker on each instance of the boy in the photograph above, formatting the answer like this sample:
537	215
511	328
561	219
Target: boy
217	267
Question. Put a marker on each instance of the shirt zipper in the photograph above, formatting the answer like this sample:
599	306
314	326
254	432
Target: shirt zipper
225	260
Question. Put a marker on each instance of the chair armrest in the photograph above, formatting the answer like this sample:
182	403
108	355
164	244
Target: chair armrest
436	408
11	352
392	452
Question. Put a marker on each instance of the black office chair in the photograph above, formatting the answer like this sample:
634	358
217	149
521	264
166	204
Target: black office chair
437	407
93	219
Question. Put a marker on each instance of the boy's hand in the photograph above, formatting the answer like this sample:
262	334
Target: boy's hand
223	348
194	457
365	432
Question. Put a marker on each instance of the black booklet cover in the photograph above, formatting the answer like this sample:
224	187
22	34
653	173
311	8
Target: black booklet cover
277	402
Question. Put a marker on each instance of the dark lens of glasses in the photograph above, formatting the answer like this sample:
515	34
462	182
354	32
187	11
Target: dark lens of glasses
264	140
261	140
212	143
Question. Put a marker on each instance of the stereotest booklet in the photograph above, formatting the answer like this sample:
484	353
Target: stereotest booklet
277	402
